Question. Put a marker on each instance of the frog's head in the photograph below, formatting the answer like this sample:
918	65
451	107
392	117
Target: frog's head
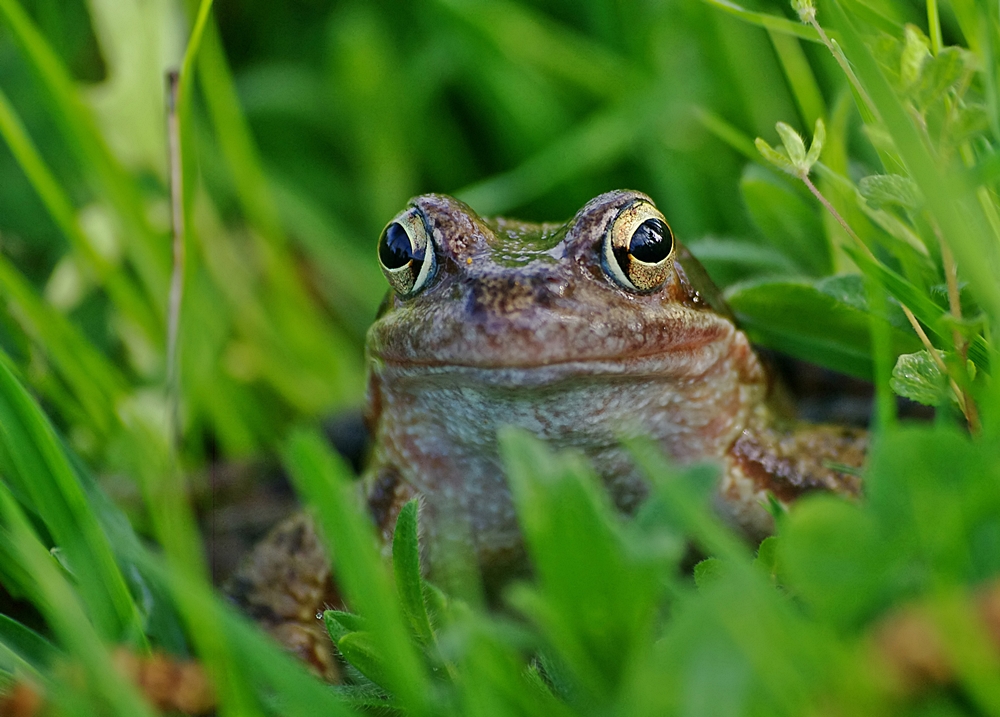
608	287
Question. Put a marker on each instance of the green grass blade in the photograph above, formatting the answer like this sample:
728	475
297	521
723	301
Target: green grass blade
268	672
406	567
119	287
728	133
235	139
93	380
77	123
773	23
70	621
800	76
28	649
326	483
34	463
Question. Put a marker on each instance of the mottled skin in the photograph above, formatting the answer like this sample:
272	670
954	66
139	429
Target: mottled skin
522	324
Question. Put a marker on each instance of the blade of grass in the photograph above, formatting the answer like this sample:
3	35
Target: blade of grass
883	358
78	125
800	77
688	508
728	133
25	649
326	484
59	603
119	287
773	23
235	139
95	382
34	463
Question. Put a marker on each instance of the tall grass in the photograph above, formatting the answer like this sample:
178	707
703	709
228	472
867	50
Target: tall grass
873	252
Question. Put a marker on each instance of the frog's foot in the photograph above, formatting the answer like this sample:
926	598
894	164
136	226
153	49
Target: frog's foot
283	584
787	463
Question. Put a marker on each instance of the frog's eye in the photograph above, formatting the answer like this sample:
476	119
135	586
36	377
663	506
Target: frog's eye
639	247
406	253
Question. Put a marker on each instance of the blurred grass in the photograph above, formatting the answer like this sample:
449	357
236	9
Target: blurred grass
307	126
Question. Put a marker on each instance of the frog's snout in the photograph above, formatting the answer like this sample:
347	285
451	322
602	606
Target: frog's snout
507	296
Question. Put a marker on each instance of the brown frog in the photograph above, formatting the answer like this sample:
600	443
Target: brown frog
580	333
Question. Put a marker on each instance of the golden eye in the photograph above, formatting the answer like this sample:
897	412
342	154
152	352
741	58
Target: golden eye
406	253
639	248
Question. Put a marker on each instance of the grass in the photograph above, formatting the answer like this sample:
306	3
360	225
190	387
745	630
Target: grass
302	129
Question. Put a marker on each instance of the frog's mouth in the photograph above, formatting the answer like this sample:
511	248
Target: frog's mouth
687	364
538	342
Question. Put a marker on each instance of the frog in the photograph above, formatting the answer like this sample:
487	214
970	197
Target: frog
581	333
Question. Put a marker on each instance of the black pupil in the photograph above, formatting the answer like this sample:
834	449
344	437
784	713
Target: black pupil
395	249
652	241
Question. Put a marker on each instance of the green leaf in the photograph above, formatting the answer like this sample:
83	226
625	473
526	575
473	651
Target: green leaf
767	556
833	558
338	623
816	146
916	51
362	650
916	377
933	491
960	217
707	571
794	145
941	73
369	698
925	309
798	318
26	644
882	189
581	556
406	565
327	483
791	224
775	157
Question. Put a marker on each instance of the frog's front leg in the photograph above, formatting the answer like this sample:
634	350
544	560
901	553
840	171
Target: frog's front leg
287	579
283	583
786	460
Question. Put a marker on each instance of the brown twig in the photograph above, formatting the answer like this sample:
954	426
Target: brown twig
179	251
955	305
